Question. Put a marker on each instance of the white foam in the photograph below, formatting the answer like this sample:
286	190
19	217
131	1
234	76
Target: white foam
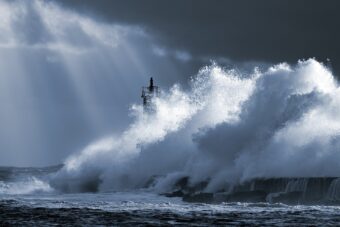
29	185
227	127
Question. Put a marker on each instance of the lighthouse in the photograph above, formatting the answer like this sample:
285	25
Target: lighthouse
148	93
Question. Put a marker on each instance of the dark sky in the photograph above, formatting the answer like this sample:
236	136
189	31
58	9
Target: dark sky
70	69
240	30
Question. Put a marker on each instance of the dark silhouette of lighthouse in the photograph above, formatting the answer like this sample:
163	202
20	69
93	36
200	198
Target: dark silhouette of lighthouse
148	93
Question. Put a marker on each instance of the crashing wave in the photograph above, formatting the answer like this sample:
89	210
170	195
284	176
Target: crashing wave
226	129
29	185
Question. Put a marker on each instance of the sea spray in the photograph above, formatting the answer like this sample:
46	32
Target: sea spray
227	128
114	153
283	98
29	185
110	161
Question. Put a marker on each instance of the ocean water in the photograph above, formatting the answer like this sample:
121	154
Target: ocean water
144	208
26	199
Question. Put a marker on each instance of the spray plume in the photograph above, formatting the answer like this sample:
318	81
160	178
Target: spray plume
226	128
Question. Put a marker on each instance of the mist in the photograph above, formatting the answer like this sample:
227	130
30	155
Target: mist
68	78
226	129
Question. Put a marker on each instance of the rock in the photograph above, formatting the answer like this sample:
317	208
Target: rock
199	198
291	198
177	193
247	196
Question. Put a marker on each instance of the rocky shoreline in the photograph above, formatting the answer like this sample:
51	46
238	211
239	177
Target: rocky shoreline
291	191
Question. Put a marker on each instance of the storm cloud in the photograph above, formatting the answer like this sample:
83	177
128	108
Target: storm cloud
240	30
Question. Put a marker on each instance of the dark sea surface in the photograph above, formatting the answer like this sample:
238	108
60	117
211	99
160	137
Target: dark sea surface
26	199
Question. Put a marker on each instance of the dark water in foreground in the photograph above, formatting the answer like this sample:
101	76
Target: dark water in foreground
26	199
143	208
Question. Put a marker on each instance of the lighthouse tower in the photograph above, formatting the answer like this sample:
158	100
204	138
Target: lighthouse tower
148	93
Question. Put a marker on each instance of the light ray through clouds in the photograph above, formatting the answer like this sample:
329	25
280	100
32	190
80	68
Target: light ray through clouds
65	79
